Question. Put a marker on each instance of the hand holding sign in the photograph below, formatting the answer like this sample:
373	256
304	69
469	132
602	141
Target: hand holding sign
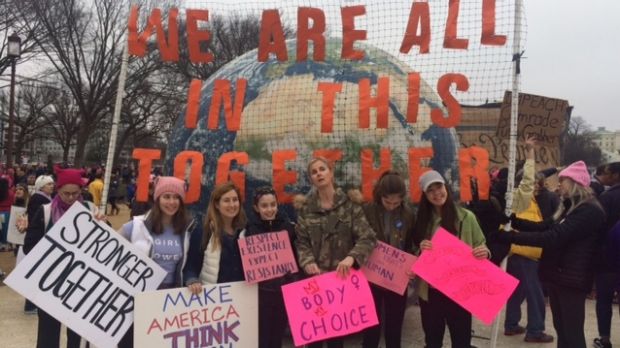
328	306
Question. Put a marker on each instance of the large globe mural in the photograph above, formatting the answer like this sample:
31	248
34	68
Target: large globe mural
282	110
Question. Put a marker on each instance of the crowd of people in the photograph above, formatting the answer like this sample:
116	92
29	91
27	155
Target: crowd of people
559	242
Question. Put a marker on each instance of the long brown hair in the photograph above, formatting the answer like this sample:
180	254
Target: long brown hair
390	183
214	224
425	217
154	220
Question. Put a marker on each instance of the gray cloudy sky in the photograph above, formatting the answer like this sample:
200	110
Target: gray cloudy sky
573	52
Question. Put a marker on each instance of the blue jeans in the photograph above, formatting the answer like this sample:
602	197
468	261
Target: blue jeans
605	289
526	271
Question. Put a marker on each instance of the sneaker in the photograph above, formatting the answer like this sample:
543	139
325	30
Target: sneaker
542	338
598	343
517	330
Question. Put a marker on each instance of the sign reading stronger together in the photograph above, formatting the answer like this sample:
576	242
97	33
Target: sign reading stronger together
328	306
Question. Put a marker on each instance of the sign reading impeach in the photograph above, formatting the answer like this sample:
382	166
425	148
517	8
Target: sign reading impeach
85	275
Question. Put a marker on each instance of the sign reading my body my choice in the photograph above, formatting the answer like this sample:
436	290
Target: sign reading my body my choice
85	275
328	306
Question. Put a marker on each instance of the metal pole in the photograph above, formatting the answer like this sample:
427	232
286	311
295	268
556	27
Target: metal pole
9	147
514	118
120	93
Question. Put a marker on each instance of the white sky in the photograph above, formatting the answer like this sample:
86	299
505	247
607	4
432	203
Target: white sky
573	52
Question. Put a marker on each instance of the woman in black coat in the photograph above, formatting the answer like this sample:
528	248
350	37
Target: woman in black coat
569	245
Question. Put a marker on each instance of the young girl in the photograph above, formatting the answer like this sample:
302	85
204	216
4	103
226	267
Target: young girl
436	209
214	256
392	220
271	311
163	233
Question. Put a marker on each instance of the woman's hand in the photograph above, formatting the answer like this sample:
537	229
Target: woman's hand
481	252
312	269
426	245
195	288
344	266
21	223
410	274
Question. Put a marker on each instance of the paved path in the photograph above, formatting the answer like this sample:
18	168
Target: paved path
18	330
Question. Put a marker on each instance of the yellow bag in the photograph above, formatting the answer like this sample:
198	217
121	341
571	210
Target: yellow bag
532	213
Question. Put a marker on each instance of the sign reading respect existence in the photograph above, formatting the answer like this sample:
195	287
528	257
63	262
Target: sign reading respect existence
85	275
477	285
328	306
387	267
222	315
267	256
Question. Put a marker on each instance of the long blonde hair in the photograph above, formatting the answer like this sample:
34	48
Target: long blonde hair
577	196
214	224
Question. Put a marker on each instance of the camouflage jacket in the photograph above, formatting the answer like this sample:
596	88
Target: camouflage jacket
328	236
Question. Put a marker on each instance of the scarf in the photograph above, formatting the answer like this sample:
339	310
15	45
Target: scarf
59	208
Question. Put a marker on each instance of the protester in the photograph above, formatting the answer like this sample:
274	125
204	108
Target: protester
332	231
569	242
437	208
392	219
163	234
605	271
214	255
96	188
272	318
599	181
69	183
7	195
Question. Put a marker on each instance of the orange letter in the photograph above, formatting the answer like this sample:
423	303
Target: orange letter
349	34
413	98
454	108
450	40
419	15
474	163
193	104
180	164
305	33
416	170
221	91
371	175
271	28
329	98
137	42
145	159
488	25
223	173
381	102
281	176
195	36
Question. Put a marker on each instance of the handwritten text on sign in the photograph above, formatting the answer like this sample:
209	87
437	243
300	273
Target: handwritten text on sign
387	267
267	256
477	285
221	315
85	275
328	306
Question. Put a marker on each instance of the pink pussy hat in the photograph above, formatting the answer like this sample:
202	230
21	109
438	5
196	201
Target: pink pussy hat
578	172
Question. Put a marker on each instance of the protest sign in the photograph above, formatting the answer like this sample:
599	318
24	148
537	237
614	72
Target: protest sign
267	256
387	267
85	275
221	315
13	235
477	285
328	306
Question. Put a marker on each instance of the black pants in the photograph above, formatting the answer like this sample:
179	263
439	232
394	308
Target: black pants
48	333
393	306
331	343
568	310
272	318
440	311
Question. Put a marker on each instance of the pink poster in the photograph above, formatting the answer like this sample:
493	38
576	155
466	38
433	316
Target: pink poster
479	286
328	306
387	267
267	256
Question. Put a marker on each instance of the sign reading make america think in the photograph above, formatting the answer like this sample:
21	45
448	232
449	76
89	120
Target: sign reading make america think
85	275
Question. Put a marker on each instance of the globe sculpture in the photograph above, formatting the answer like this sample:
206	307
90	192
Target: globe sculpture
282	110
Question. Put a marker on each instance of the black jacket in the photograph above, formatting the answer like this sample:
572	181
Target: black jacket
35	201
569	245
610	200
280	223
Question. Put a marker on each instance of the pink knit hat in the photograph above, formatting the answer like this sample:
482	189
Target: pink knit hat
578	172
68	176
164	184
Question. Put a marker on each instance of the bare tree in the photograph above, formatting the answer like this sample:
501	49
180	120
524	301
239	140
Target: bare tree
22	23
579	143
63	122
